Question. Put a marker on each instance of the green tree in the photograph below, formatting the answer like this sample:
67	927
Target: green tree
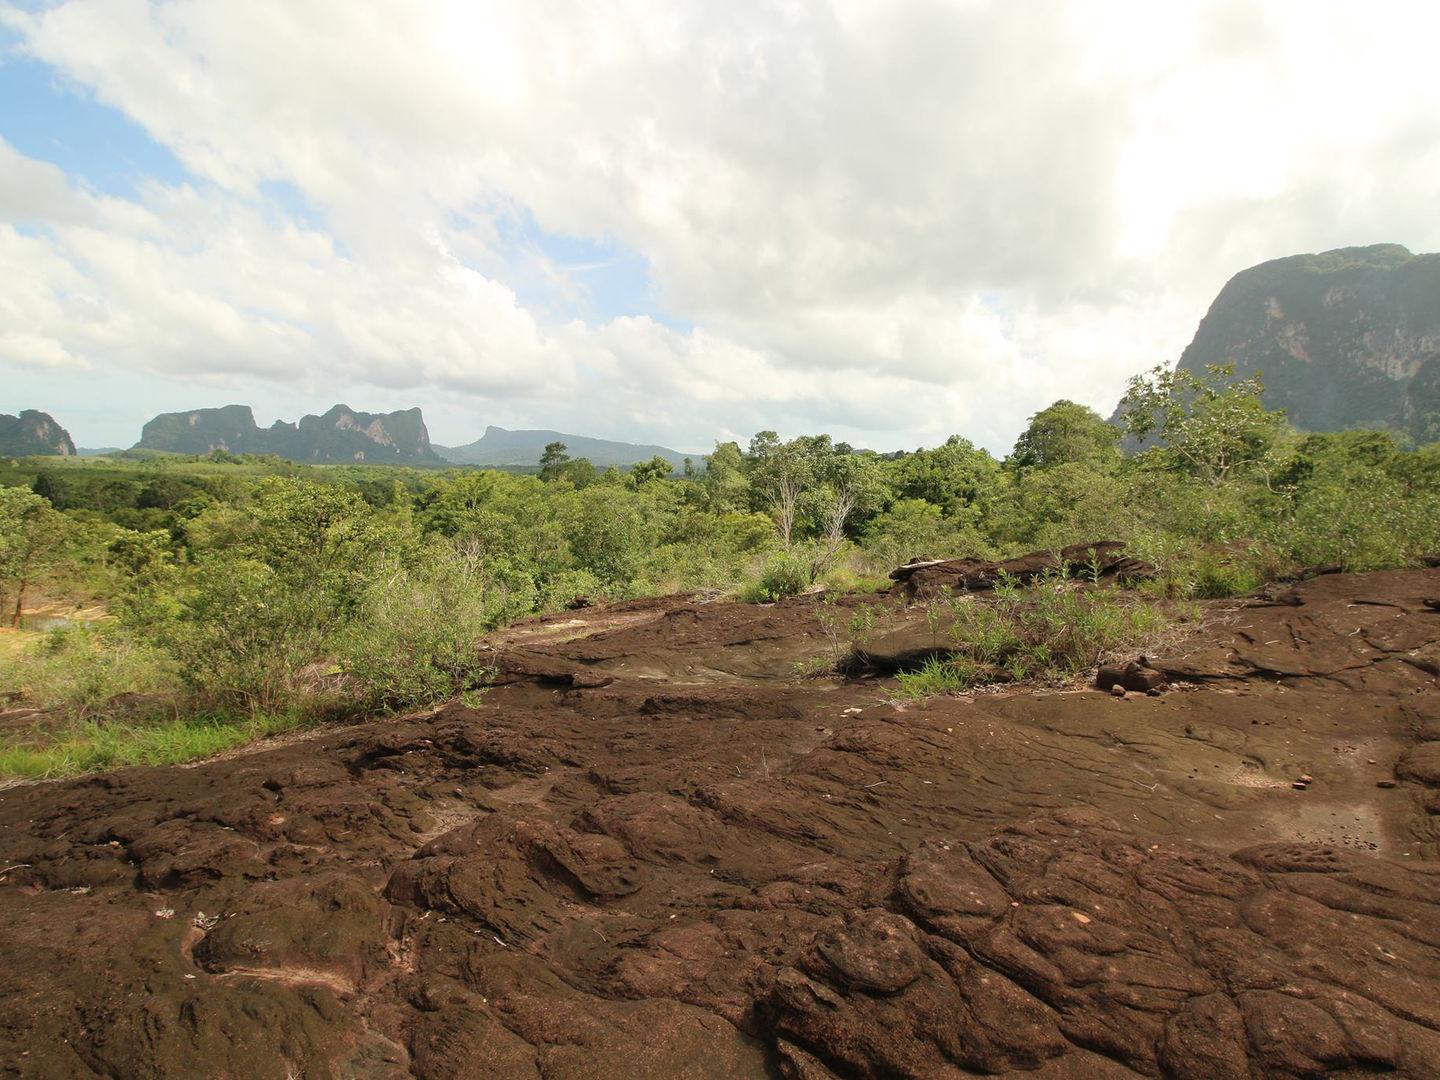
612	531
1066	433
1212	428
848	488
31	536
551	460
781	473
579	471
726	488
644	472
956	476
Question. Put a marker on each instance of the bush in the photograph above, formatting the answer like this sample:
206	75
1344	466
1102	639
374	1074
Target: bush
417	642
1362	521
555	593
786	574
1216	575
912	529
244	633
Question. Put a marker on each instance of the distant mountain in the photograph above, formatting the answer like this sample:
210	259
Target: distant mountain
341	435
501	447
1344	339
33	433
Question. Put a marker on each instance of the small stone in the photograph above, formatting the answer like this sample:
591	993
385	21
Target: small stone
1306	778
1385	783
1117	690
1136	676
1300	786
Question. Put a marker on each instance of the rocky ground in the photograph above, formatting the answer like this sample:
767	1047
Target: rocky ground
656	851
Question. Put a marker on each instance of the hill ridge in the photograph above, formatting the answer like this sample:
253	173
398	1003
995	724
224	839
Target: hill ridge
338	435
523	446
1344	338
34	433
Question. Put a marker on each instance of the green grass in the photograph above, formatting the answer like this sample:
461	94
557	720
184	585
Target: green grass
15	642
822	664
939	675
81	669
1049	632
90	745
845	580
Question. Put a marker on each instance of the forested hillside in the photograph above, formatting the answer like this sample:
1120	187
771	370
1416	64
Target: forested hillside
340	435
33	432
1344	339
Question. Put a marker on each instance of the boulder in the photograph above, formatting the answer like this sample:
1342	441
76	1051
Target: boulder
1136	675
1102	560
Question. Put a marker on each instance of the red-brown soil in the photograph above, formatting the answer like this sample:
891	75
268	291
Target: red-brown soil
655	851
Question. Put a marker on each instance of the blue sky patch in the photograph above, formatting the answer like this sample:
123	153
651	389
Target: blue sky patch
49	118
609	279
291	202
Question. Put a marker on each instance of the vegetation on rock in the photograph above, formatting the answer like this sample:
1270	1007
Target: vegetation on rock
33	432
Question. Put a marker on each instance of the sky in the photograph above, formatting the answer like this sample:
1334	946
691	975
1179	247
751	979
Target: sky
678	222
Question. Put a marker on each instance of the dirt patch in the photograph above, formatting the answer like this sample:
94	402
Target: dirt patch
657	851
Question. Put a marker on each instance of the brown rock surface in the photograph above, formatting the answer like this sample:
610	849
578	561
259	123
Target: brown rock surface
1101	560
690	862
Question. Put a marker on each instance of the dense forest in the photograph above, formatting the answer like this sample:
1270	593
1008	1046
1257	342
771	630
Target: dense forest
242	595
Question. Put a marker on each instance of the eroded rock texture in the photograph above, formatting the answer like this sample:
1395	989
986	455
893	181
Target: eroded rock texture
654	851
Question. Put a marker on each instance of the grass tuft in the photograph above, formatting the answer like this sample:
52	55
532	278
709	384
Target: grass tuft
938	675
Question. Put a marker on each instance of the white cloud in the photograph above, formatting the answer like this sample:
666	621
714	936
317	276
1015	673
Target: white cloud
891	220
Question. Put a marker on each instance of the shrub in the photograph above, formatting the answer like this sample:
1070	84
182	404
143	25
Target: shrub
913	528
243	633
786	574
417	642
1216	575
555	593
1362	521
